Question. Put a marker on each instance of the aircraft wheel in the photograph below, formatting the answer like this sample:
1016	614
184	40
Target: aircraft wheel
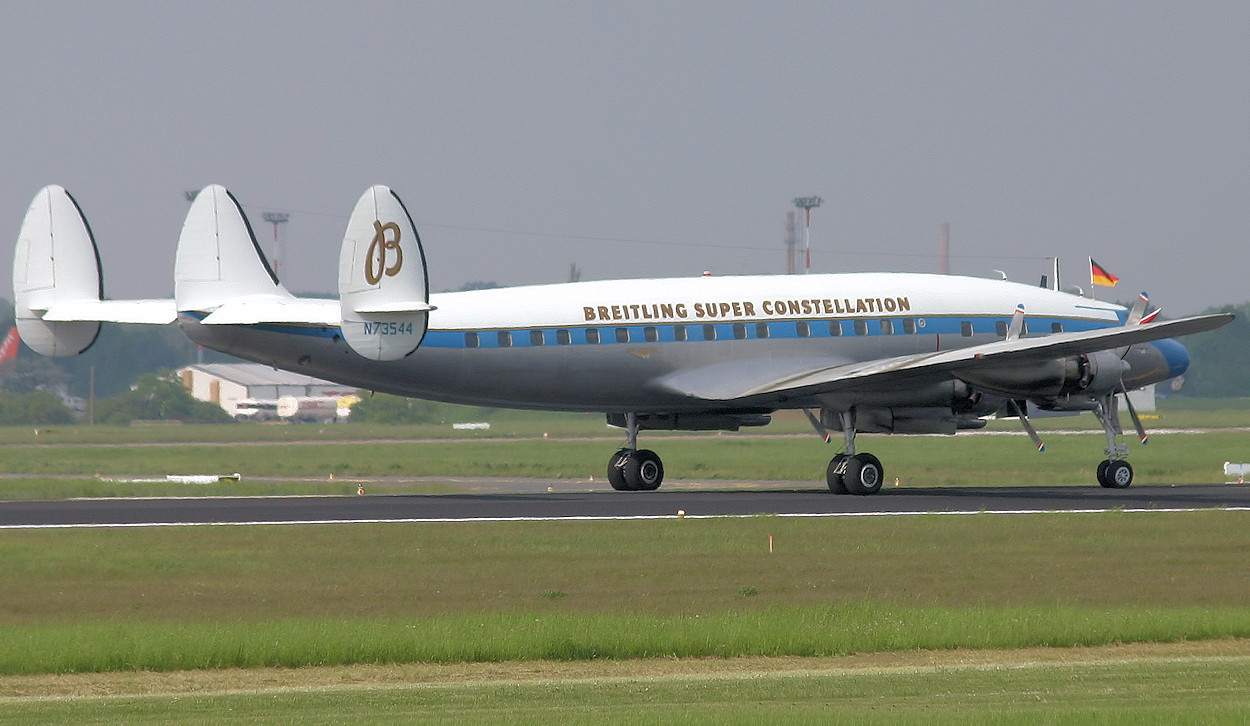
1118	475
864	474
833	475
616	470
1102	473
643	471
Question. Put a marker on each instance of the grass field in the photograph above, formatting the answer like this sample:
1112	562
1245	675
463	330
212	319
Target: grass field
665	616
1184	683
964	460
665	621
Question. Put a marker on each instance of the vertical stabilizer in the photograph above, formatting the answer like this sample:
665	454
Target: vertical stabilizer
218	258
383	285
55	262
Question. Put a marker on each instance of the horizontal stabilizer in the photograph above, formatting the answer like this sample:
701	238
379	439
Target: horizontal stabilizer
274	309
150	312
55	263
383	287
412	306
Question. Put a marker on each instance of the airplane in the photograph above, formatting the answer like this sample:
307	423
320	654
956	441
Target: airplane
10	345
856	352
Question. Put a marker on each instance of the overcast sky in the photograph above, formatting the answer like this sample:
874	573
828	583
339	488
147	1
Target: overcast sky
641	139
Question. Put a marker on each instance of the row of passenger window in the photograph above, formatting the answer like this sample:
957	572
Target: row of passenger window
651	334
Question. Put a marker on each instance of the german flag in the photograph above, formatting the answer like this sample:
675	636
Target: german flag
1099	276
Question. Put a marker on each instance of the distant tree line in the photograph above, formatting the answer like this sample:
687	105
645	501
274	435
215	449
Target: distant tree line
1219	359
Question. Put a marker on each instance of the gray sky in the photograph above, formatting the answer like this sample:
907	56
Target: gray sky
651	139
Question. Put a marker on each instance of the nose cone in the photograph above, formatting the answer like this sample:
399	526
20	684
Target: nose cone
1155	361
1174	354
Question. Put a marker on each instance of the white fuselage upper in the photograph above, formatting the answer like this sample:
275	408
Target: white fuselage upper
608	345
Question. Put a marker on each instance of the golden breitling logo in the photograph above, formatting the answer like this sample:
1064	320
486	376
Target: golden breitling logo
375	260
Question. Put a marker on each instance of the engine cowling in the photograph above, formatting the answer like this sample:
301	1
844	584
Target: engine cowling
1090	374
1094	374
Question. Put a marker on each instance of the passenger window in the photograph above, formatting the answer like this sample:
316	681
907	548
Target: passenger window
470	340
835	328
802	329
650	333
679	333
761	330
592	336
622	335
537	337
505	339
1000	327
740	331
861	327
563	337
887	327
965	329
909	326
709	332
1056	327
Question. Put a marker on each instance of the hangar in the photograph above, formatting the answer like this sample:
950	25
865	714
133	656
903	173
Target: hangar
228	384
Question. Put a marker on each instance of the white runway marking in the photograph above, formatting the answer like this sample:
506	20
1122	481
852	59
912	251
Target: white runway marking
589	518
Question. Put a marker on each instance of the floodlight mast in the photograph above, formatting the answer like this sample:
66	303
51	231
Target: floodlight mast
277	218
807	204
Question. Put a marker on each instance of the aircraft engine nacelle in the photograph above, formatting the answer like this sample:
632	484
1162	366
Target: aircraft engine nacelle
1092	374
908	421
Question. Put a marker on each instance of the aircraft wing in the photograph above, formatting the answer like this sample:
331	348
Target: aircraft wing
749	379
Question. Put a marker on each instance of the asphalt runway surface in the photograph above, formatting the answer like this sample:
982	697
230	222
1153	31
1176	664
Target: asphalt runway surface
529	499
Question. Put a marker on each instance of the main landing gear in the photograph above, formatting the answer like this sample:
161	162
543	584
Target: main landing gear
632	469
1115	472
852	473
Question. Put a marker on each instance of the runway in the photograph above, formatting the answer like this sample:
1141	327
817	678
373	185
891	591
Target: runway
496	503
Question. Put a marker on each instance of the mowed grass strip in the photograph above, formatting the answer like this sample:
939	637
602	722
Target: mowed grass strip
794	631
915	460
1114	685
175	598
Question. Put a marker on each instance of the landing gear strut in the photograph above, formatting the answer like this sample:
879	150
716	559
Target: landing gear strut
632	469
851	473
1115	472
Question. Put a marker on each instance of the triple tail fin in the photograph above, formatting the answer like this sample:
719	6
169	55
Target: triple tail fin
383	283
55	262
57	282
219	260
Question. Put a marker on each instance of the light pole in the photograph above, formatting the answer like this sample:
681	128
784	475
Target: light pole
277	218
807	204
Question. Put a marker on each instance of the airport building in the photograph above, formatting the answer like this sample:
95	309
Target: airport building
251	391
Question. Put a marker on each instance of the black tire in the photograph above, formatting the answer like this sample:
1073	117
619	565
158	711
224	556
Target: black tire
833	475
1102	474
616	470
644	472
864	474
1119	474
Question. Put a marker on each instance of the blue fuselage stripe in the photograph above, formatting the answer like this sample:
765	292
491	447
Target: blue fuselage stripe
697	332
